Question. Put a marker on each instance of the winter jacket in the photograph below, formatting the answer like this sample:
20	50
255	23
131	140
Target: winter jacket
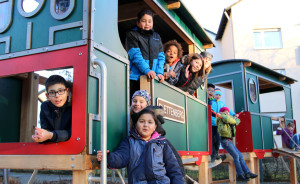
57	120
226	125
216	106
145	51
190	84
286	138
175	68
149	162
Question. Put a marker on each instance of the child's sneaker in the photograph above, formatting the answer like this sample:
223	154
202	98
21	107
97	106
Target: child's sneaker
241	178
250	175
223	157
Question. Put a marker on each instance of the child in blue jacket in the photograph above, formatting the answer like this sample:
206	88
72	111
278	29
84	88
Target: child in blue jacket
145	51
146	154
216	105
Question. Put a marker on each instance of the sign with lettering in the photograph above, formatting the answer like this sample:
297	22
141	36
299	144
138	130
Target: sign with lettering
172	111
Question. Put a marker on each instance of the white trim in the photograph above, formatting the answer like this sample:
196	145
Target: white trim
62	27
29	14
10	10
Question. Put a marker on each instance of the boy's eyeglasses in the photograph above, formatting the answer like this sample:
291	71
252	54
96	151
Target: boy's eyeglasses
53	93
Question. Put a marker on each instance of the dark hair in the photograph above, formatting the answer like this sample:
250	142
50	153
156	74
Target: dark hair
176	44
143	12
55	79
205	54
187	60
210	85
291	125
144	111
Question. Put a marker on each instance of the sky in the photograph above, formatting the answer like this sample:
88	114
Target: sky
208	13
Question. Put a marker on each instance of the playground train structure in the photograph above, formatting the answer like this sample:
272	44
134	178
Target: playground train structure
86	39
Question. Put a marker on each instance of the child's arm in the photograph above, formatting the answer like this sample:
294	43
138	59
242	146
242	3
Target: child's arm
174	80
135	54
172	166
161	62
121	157
183	78
230	120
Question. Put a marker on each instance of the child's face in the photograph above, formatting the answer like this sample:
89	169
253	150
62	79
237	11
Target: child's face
226	112
210	92
207	62
138	104
57	94
146	126
290	128
196	65
146	22
217	97
171	54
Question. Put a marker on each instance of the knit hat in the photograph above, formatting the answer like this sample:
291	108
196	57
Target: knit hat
218	91
142	93
223	109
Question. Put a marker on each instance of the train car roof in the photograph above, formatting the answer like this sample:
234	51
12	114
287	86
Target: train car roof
191	22
249	63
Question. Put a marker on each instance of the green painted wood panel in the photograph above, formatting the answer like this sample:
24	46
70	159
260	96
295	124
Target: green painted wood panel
116	101
225	69
176	132
202	94
197	126
106	27
288	102
10	109
238	89
256	132
267	132
41	23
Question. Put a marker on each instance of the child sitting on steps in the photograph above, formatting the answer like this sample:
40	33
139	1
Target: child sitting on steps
226	128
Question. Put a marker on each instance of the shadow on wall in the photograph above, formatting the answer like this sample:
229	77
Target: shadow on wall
297	54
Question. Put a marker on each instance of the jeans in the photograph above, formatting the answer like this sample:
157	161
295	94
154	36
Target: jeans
215	143
239	162
296	139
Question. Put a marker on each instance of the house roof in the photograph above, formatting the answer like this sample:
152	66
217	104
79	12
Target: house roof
250	63
224	20
223	24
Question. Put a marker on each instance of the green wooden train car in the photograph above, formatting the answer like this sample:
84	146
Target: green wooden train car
250	82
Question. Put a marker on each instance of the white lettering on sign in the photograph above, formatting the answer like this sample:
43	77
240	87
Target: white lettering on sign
172	111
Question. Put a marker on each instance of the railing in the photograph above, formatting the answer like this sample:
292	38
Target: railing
102	107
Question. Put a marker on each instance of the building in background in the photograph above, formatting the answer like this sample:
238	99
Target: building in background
266	32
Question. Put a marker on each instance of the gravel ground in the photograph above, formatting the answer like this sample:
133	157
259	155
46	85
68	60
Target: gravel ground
23	178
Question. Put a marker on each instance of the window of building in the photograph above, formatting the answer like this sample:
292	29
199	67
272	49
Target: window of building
267	39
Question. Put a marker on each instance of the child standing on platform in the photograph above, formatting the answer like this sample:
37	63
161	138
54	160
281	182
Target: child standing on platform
226	128
145	51
173	53
146	154
216	105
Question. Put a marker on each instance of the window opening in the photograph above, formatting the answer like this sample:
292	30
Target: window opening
267	39
252	90
21	96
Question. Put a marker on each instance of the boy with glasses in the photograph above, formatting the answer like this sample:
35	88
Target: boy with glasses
56	112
